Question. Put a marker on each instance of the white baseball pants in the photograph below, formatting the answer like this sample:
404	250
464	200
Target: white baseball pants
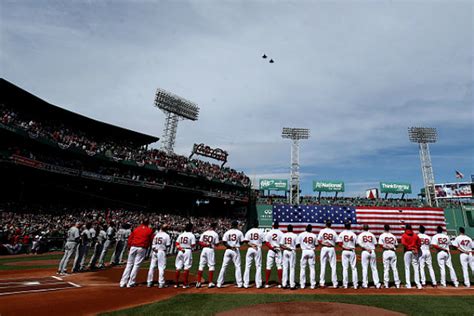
135	259
369	259
328	254
307	258
390	262
69	249
253	255
106	247
467	263
184	259
274	256
118	253
158	260
444	260
234	256
349	259
425	259
411	258
207	258
289	263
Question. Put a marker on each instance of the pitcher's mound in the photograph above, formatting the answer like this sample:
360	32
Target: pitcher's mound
309	308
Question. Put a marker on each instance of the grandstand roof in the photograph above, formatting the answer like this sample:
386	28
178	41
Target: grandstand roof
20	99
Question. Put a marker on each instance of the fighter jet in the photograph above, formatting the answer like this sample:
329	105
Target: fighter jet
271	61
264	56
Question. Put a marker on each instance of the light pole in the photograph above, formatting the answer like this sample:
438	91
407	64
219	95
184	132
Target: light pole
175	108
295	134
423	136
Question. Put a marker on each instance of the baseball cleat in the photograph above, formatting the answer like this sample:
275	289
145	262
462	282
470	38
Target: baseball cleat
355	287
378	286
122	285
397	286
149	284
198	284
419	287
160	286
312	287
211	285
408	286
345	287
185	286
176	286
218	286
267	286
131	285
456	284
279	286
239	286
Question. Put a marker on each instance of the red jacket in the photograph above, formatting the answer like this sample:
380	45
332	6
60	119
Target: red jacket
141	237
411	241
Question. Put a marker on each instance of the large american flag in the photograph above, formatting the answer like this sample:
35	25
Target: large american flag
375	217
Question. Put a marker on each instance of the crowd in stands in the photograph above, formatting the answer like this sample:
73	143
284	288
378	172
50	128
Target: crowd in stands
23	230
66	138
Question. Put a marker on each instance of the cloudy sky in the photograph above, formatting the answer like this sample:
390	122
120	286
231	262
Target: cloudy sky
357	73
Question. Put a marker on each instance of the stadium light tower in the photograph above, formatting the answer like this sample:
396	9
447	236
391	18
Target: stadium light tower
423	136
295	134
175	108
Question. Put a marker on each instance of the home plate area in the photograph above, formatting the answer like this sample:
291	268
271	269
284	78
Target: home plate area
32	285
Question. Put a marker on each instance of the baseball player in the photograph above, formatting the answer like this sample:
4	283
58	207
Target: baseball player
441	243
288	244
307	242
389	243
83	249
107	244
327	238
72	242
122	236
208	241
139	241
184	259
347	241
160	243
412	245
254	239
465	245
232	240
274	255
99	244
425	257
367	242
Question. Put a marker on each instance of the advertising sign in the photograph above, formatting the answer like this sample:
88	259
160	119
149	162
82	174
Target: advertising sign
453	190
328	186
265	216
274	184
395	187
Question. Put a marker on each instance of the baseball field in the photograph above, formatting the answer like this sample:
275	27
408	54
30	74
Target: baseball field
28	285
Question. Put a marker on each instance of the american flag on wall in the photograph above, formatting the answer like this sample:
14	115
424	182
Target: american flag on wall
375	217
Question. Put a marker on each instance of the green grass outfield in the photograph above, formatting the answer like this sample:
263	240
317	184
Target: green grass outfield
209	304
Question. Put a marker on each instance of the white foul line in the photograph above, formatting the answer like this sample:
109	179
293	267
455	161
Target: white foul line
74	284
32	291
57	278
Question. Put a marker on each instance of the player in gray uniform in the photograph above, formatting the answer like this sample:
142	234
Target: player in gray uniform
82	249
107	244
122	236
99	244
72	242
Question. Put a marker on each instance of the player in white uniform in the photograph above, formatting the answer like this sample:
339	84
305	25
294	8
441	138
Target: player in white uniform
184	259
347	240
208	241
288	244
83	249
465	245
161	241
389	243
72	242
232	240
367	242
99	244
307	242
254	239
425	257
274	254
327	238
122	236
441	242
107	244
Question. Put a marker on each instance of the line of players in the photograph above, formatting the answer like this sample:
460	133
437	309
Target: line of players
282	253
